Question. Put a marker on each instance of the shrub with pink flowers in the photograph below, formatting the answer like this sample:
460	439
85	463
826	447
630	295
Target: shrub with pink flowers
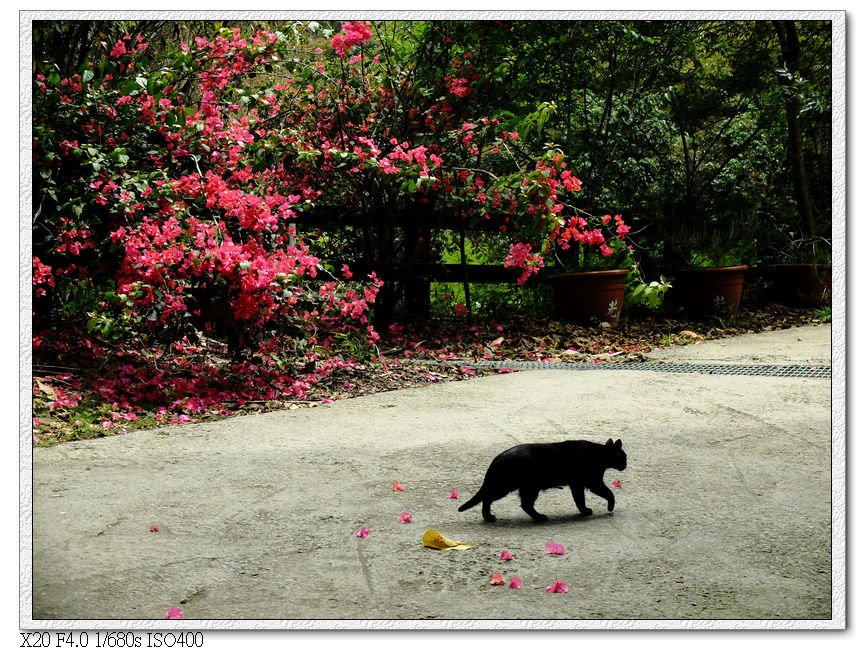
175	203
179	183
176	189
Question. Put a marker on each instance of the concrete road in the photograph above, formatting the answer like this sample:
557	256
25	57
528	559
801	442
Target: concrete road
723	512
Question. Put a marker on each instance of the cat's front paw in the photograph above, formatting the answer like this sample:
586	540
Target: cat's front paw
586	513
490	519
610	506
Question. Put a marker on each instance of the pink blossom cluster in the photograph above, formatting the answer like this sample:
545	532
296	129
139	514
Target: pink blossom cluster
353	33
120	46
41	276
520	256
458	86
227	57
459	82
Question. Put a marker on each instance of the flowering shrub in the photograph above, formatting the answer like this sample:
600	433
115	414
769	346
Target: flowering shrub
169	205
175	185
175	189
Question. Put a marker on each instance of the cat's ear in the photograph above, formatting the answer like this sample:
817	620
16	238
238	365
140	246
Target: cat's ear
619	443
610	442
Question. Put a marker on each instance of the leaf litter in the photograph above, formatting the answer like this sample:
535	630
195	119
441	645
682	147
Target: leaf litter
84	387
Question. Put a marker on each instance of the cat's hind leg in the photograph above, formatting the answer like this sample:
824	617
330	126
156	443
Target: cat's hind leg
528	496
490	495
486	512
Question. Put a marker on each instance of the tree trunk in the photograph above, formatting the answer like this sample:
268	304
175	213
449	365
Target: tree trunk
788	39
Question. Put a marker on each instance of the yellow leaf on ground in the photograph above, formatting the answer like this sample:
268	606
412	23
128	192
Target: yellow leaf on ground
434	539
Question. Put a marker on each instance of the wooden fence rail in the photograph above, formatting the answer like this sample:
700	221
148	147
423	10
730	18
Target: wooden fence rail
410	277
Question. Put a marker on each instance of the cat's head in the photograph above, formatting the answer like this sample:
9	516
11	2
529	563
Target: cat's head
616	457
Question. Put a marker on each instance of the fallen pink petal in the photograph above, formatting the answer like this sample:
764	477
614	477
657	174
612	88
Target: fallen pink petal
515	583
363	533
616	484
497	579
398	487
454	495
154	528
405	517
506	555
555	549
174	613
558	587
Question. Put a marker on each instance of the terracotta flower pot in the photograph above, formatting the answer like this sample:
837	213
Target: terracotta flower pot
713	291
802	285
589	295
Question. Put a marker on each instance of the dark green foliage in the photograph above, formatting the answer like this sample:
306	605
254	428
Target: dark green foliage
678	125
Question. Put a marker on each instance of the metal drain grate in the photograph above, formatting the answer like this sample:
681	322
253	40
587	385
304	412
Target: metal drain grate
811	372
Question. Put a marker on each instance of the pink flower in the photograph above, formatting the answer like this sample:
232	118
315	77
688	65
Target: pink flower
154	528
515	583
405	518
118	50
454	494
503	371
555	549
174	613
506	555
621	228
616	484
497	579
398	487
558	587
363	533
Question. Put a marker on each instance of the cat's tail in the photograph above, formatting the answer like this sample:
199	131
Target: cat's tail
471	503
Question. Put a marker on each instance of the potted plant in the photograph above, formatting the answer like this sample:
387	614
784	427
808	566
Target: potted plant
803	275
586	259
596	273
713	282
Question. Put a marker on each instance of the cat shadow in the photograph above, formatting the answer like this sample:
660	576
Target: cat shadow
519	523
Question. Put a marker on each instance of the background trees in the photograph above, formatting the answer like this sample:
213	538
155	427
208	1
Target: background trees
183	171
685	127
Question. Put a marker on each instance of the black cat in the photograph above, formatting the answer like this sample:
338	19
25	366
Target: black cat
530	468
